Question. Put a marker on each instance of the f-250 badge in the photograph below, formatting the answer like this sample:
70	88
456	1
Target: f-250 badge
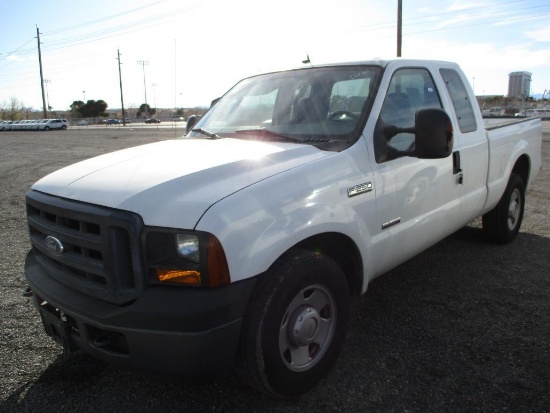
360	189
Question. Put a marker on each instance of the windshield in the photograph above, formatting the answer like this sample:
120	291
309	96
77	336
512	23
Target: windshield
325	107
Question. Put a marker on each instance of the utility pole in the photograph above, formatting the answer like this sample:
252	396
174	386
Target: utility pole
46	81
399	26
143	63
121	96
41	75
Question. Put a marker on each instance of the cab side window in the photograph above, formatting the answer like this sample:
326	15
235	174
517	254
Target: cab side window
410	90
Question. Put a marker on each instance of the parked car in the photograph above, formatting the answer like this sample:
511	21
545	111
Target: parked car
21	125
53	124
16	125
83	123
152	120
113	122
5	125
29	124
38	125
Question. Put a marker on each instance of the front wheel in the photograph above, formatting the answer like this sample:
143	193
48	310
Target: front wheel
296	325
502	223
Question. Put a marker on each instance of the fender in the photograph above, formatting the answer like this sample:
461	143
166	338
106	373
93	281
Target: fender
251	250
504	153
261	222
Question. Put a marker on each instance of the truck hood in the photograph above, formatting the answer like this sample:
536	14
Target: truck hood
172	183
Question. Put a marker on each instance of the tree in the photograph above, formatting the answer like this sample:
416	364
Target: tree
90	109
14	109
131	110
146	109
75	106
100	108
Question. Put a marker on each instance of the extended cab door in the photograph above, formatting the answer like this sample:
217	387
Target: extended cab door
471	152
417	200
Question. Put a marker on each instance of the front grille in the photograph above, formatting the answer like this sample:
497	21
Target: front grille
100	246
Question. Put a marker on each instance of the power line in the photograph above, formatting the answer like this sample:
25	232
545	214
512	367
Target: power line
119	30
538	16
423	20
113	31
102	19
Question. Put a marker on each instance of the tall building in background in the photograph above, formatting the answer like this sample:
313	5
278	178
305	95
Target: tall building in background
519	84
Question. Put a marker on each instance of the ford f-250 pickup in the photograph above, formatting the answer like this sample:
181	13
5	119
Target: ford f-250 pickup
241	243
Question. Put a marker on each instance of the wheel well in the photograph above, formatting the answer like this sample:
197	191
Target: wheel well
522	167
343	251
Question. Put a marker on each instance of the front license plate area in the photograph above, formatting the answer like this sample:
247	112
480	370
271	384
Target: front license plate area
57	328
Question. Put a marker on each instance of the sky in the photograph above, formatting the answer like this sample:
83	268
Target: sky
184	53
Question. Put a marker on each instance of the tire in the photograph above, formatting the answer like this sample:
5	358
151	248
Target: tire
295	325
502	224
63	127
46	128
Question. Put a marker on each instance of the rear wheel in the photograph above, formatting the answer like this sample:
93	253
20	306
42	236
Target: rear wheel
502	223
46	128
296	325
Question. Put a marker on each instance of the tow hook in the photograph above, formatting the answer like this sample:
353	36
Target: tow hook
27	292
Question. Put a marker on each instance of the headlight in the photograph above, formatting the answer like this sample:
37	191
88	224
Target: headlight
191	258
188	247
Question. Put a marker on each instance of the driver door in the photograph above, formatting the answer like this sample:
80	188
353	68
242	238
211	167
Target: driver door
417	199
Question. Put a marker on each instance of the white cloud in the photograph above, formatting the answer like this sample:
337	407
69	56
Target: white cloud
541	35
460	5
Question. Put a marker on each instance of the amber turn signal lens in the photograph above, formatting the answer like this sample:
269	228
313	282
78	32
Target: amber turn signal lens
187	277
218	271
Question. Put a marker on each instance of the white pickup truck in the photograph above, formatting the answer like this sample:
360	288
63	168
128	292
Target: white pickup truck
241	243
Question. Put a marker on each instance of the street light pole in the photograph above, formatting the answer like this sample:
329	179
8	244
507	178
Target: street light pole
399	26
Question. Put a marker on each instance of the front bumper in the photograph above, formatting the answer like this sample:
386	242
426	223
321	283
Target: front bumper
166	330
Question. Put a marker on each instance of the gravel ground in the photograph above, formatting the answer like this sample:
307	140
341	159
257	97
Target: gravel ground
463	327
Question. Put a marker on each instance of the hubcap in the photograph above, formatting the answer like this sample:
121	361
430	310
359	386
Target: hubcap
303	326
307	328
514	210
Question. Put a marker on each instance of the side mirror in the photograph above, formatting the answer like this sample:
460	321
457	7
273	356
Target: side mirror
434	134
191	120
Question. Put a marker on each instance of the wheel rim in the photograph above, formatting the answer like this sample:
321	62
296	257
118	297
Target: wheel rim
514	209
307	328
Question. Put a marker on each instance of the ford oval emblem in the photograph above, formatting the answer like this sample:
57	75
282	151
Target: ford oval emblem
53	244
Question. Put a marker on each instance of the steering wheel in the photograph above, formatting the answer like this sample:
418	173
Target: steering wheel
341	114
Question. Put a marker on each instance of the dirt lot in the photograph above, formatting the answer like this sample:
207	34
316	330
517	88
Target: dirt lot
463	327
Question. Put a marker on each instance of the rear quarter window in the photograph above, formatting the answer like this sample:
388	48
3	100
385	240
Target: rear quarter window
460	99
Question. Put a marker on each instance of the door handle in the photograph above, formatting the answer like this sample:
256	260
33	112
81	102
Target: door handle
457	169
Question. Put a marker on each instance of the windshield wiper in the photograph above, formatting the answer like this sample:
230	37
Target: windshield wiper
269	133
211	135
